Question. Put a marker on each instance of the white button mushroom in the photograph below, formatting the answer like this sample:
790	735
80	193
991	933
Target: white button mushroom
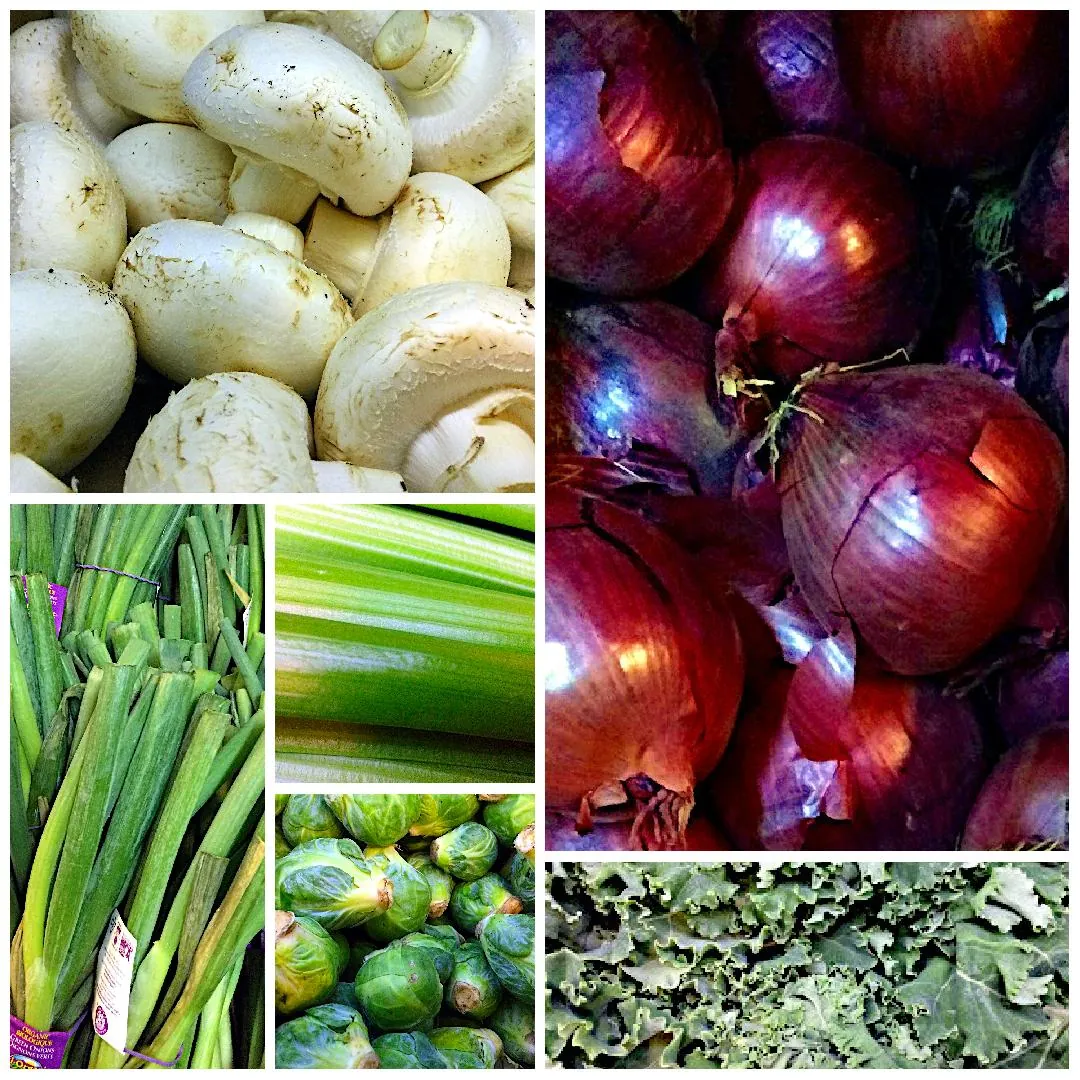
514	193
440	229
28	477
297	98
281	234
233	433
67	207
49	83
467	81
72	366
171	171
356	29
341	478
138	58
206	299
435	384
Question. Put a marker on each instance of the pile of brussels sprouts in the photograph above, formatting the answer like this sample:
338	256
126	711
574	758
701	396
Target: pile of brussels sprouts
404	931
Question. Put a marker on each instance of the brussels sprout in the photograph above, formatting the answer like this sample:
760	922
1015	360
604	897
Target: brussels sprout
467	852
525	843
441	813
412	897
439	882
491	798
473	989
326	1037
441	951
345	994
482	1043
375	819
307	817
513	1022
281	845
398	988
507	817
444	932
307	963
521	877
331	882
408	1050
280	802
359	951
507	941
476	900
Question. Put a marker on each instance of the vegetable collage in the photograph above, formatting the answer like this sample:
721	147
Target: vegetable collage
807	401
405	643
415	951
137	779
282	251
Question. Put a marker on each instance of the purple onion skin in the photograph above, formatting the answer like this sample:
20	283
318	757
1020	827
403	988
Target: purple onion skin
1043	372
794	54
1034	696
638	180
985	337
625	375
1041	225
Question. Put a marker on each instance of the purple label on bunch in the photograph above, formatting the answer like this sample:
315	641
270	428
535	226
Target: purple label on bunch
33	1049
58	598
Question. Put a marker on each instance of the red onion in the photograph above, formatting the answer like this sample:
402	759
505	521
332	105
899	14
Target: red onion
902	767
954	89
1041	225
1043	375
1025	800
794	55
620	375
644	673
985	336
824	257
638	182
561	834
1034	695
917	504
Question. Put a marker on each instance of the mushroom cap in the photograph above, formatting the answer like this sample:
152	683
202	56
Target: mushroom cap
171	171
67	207
48	83
205	299
138	58
301	99
72	366
28	477
281	234
479	122
441	229
422	354
235	433
357	30
514	193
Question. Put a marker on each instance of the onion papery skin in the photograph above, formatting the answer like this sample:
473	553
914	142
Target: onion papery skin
794	55
960	90
643	672
905	767
561	834
1043	375
917	504
638	181
1041	224
825	257
1025	800
624	374
985	337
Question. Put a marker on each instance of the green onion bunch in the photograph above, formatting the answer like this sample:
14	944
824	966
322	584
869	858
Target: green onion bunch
404	643
137	774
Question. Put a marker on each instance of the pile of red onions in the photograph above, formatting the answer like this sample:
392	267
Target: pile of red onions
806	536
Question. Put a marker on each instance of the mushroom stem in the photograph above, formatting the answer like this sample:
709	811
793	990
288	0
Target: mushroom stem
342	246
259	186
421	49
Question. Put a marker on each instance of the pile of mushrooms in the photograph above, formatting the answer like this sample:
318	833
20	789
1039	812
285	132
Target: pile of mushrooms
314	230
